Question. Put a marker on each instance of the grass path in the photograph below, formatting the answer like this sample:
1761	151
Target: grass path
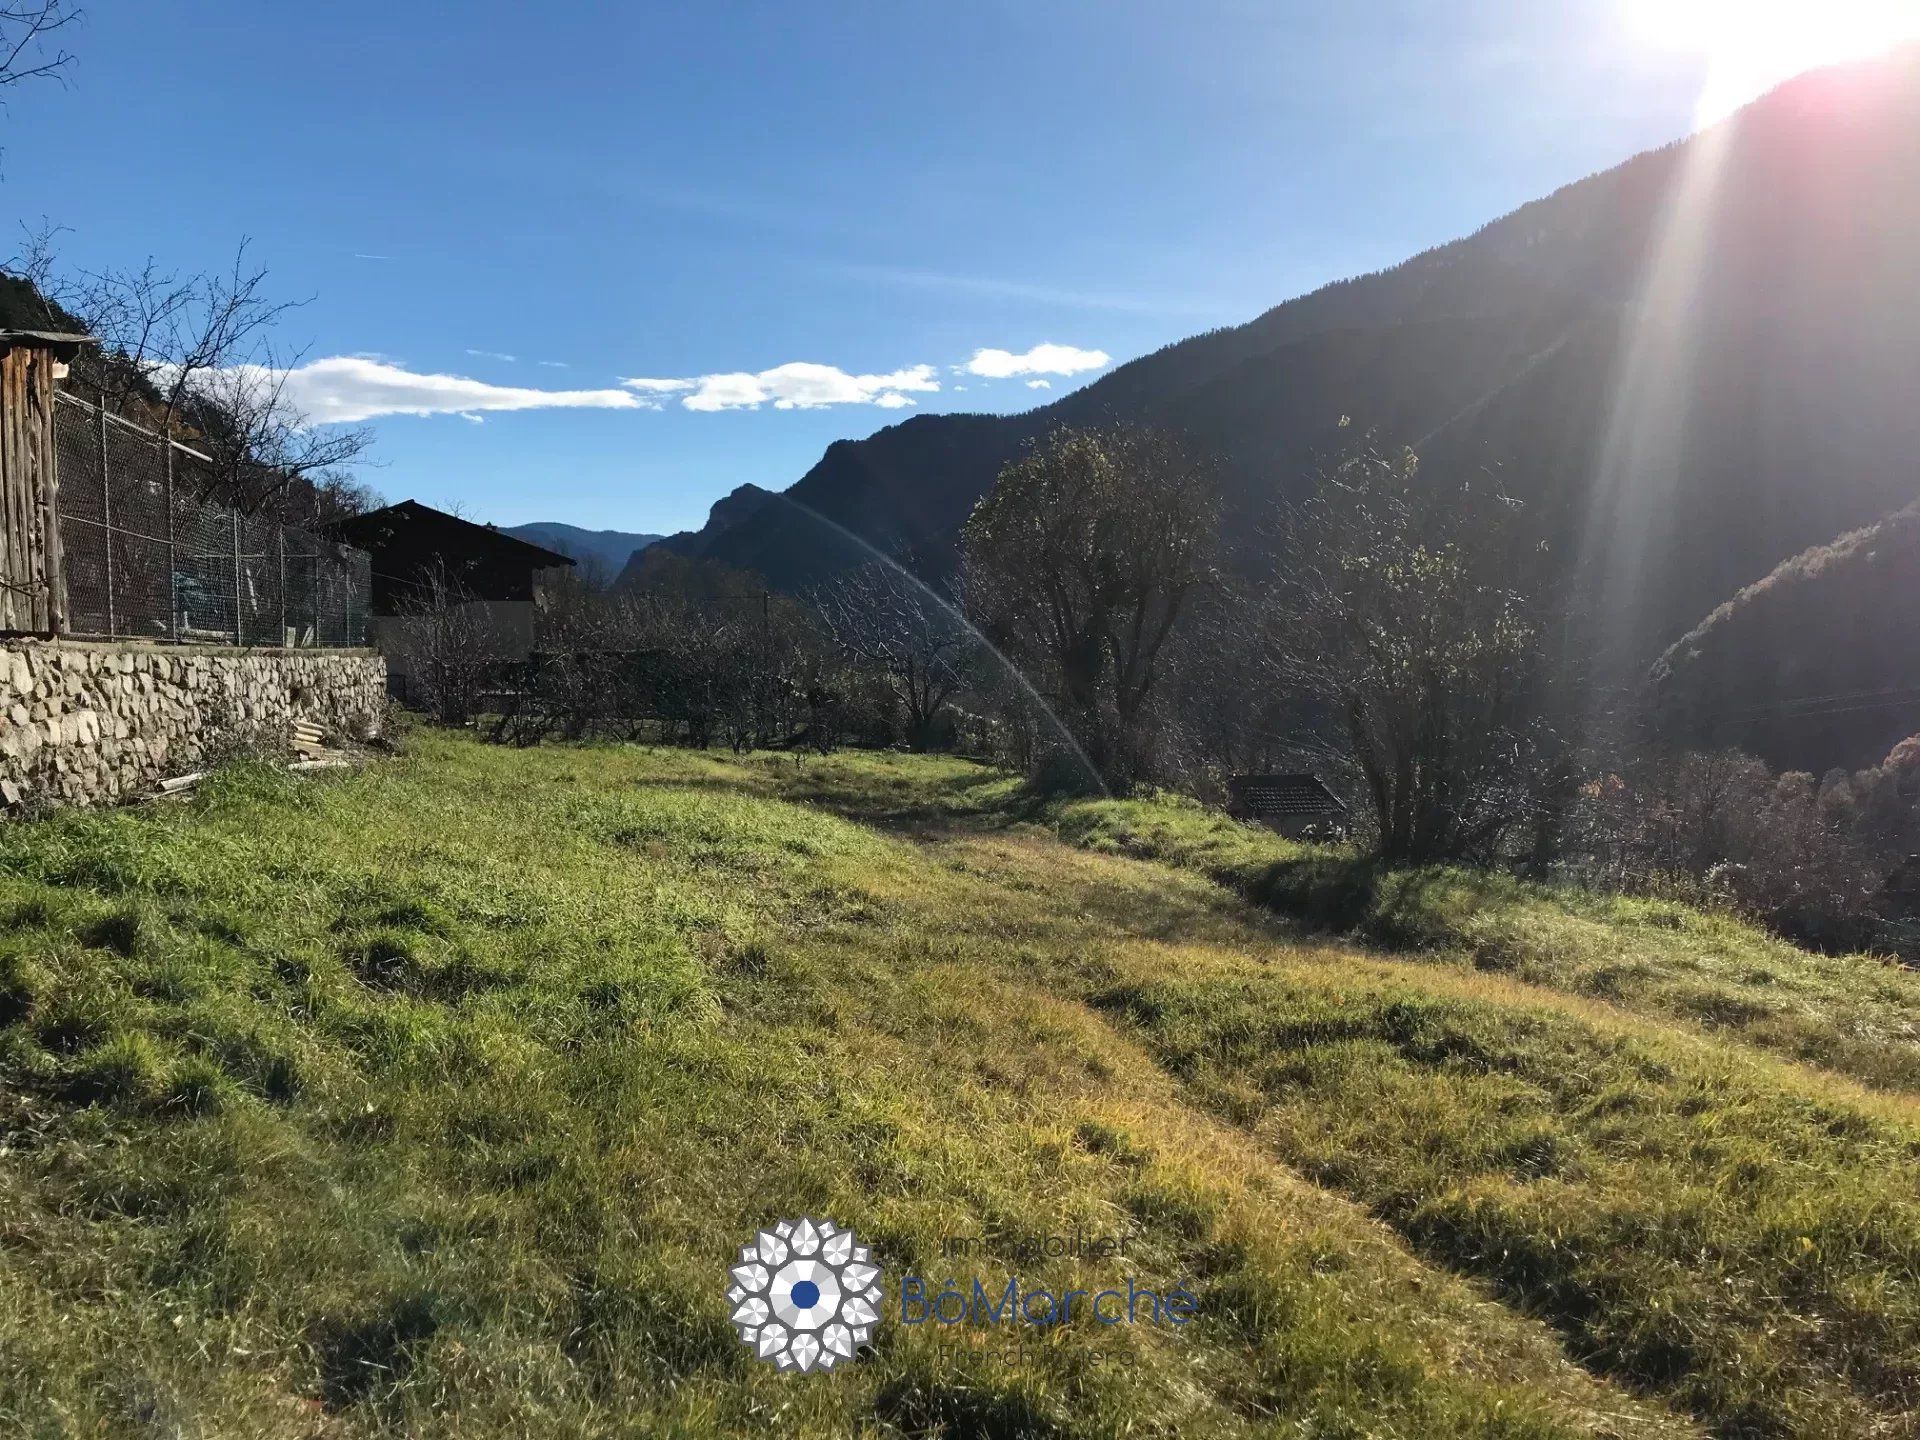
1698	1218
432	1101
1856	1015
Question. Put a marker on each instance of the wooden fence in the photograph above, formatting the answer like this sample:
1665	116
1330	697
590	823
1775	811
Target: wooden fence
106	531
32	589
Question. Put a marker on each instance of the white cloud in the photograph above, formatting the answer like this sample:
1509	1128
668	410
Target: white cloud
343	389
797	385
553	364
726	392
493	355
346	389
1040	360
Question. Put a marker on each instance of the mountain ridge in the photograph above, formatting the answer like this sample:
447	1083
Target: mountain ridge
1509	351
607	550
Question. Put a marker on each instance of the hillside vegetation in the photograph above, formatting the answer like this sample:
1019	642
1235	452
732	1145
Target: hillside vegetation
1819	659
435	1100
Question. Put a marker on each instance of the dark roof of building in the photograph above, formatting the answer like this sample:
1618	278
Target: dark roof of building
57	340
369	530
1271	795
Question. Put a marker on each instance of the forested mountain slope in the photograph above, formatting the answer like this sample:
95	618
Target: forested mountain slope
1815	665
1755	284
607	550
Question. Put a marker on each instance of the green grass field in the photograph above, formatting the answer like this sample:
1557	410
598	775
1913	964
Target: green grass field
436	1100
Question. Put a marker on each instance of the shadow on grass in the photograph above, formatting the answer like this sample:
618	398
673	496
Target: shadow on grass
921	1408
1359	895
916	806
365	1356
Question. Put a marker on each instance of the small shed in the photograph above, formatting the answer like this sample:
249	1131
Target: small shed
32	363
413	545
423	557
1300	807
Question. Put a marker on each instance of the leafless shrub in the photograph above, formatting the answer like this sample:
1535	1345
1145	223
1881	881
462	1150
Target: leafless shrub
451	646
229	738
1819	860
742	671
891	626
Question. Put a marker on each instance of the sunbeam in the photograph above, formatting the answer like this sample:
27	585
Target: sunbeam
1638	465
1750	46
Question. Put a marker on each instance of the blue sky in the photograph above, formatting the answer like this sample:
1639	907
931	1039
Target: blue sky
665	192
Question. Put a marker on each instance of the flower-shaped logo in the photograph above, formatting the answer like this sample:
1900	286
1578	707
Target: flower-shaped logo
805	1295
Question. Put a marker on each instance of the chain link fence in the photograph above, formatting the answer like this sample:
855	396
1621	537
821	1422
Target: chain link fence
145	558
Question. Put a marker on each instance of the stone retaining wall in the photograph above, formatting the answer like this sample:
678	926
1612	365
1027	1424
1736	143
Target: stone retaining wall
86	723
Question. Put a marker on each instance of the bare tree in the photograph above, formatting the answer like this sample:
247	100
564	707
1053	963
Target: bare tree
1223	711
448	647
593	657
1080	562
890	624
159	330
266	455
744	670
328	496
28	48
193	357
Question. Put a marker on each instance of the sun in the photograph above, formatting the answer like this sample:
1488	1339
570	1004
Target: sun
1749	46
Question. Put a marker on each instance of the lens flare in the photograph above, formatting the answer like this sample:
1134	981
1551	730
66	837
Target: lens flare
1750	46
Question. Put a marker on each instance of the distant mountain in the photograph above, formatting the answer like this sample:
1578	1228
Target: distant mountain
607	550
1816	665
729	512
1692	366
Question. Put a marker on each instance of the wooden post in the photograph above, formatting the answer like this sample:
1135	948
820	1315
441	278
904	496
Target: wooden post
47	498
17	449
106	511
280	534
173	562
236	579
33	596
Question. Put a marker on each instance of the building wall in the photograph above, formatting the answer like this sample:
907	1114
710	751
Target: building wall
87	723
